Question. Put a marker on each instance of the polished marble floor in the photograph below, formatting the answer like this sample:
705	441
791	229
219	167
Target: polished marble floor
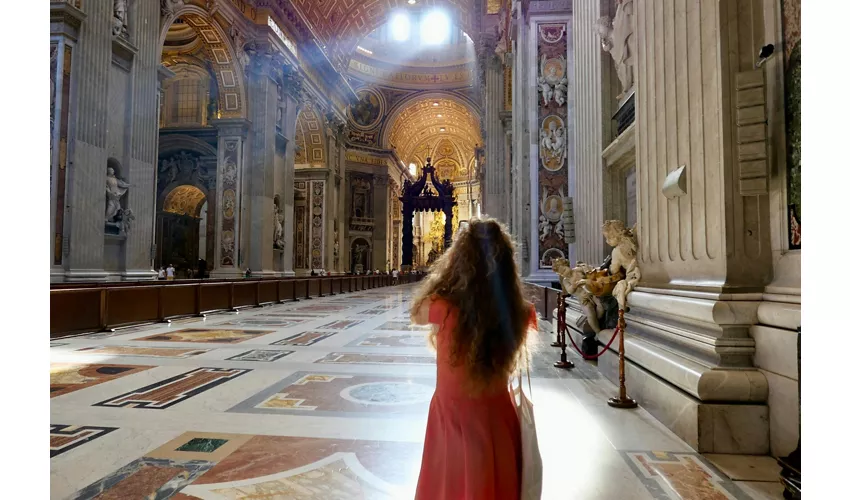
327	399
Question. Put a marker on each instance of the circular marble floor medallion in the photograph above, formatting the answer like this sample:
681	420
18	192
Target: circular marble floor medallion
388	393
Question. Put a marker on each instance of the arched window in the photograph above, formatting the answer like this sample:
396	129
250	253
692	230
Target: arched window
187	98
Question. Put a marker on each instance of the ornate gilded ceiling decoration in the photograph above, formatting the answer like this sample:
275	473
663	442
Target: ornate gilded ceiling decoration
341	24
429	126
184	200
309	138
216	50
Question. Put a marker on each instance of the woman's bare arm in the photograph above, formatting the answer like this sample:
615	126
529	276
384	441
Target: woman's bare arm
420	316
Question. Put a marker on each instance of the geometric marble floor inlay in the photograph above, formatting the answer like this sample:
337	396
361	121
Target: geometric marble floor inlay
322	399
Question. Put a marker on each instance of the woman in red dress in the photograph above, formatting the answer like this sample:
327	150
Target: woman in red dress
473	296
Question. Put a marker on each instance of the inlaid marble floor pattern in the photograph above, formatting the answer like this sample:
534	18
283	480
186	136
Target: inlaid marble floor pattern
328	399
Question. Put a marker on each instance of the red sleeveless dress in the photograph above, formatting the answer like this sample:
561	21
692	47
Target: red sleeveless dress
472	444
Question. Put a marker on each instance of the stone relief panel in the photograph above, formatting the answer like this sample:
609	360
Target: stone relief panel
185	168
555	228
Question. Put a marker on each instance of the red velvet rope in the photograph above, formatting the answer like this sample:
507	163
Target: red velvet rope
585	356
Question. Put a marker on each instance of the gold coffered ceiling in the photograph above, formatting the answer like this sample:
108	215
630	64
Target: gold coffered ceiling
341	24
184	200
421	125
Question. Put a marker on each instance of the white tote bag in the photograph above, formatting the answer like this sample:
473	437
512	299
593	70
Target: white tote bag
532	462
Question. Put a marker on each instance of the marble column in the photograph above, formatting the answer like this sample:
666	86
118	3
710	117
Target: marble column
588	174
380	234
258	249
232	135
495	170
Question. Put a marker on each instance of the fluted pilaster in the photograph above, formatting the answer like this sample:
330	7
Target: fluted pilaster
495	170
587	86
87	146
144	138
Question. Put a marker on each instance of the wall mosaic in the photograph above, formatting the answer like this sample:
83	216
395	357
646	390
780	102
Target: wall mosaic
367	112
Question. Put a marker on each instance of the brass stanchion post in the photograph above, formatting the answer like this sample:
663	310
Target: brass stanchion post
559	337
623	400
562	335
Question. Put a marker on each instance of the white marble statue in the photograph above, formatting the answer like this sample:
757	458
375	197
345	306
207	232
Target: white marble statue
562	228
127	219
115	189
623	257
336	245
170	7
278	228
119	17
561	92
559	139
545	90
618	40
552	140
572	280
543	228
546	138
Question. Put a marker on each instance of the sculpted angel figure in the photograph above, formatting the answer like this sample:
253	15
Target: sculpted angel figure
558	137
561	92
545	90
547	137
543	228
562	228
623	258
572	284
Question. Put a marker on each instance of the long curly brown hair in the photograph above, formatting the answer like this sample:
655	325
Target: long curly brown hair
478	277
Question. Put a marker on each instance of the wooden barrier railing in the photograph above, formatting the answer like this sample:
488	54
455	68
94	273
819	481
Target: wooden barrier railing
91	307
544	298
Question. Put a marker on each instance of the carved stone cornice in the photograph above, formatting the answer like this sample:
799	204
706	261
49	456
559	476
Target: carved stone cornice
381	180
293	84
66	18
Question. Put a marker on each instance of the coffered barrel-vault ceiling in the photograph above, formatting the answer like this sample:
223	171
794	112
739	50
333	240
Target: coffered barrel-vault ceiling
340	24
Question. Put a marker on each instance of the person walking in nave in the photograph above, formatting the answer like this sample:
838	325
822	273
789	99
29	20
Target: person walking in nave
474	296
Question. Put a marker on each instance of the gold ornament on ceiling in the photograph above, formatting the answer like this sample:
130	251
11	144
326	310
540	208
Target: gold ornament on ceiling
441	127
341	24
184	200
